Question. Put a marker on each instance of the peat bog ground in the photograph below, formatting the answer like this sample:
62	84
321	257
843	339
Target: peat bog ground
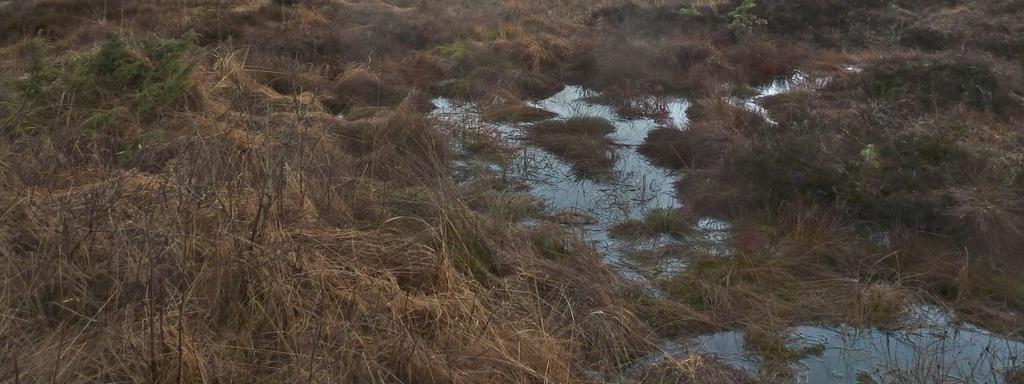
522	191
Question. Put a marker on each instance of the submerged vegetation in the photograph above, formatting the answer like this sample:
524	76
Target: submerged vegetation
205	191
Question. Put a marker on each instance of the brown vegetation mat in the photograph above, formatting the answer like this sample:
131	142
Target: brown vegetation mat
180	200
182	214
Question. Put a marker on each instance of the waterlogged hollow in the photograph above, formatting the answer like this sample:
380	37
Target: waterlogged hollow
632	189
797	81
933	350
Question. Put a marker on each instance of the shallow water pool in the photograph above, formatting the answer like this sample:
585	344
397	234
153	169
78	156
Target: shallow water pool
633	188
934	350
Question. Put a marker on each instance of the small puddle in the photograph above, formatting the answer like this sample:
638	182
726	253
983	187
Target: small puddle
933	350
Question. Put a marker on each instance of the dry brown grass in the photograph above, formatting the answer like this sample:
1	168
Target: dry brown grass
244	232
266	240
276	256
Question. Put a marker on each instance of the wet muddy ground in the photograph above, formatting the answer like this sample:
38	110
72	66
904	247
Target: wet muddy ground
930	347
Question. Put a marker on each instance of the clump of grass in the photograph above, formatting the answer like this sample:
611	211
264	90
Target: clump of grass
793	166
515	112
510	60
553	242
474	253
487	145
634	107
938	84
778	350
671	222
459	50
361	87
795	272
99	98
880	304
692	148
402	141
491	198
592	126
148	76
989	216
694	368
582	141
153	74
922	37
149	151
718	128
360	113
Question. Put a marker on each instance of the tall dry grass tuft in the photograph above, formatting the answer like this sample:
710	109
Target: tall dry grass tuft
276	242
